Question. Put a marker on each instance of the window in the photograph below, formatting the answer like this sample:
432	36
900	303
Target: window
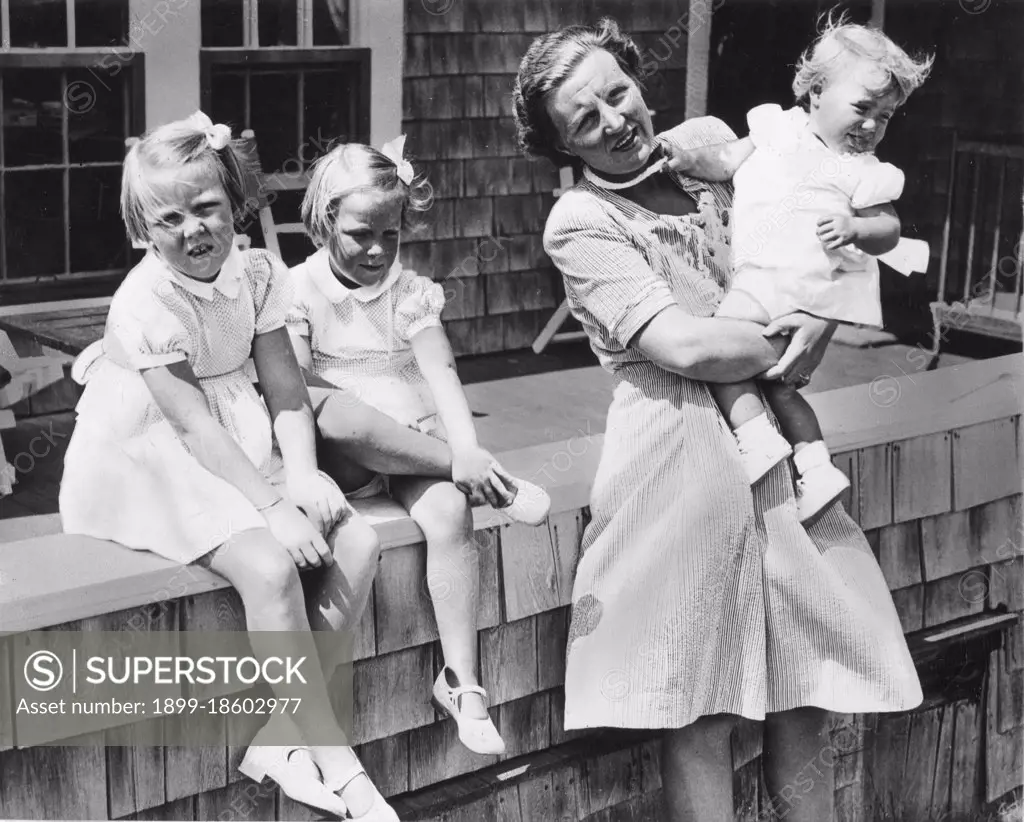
285	73
70	93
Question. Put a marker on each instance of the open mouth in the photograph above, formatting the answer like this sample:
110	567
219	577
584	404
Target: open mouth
200	251
628	140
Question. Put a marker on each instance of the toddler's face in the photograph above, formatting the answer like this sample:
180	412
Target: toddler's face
365	240
192	229
851	112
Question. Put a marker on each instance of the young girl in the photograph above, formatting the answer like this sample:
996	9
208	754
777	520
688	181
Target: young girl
174	452
361	322
812	206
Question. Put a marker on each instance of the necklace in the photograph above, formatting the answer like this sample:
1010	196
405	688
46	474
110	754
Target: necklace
600	182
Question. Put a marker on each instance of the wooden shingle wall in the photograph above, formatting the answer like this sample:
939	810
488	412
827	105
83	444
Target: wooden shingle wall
482	237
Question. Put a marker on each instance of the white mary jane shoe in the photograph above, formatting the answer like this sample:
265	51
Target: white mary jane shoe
380	810
531	504
479	735
295	780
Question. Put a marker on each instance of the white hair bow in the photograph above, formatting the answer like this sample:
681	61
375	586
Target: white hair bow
217	135
394	150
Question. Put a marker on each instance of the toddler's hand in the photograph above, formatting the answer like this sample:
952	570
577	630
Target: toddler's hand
680	159
298	535
476	473
320	499
836	231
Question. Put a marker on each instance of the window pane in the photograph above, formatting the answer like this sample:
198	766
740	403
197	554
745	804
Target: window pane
33	108
227	99
34	205
96	126
101	22
330	22
330	106
273	100
277	21
39	23
221	22
97	233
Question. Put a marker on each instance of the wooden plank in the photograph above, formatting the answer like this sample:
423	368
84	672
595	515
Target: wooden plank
1004	760
393	693
746	742
1010	687
943	762
552	635
508	660
238	801
404	613
909	604
54	782
194	769
538	801
997	528
1006	584
745	785
138	773
847	742
847	463
489	602
179	809
946	545
387	763
983	467
611	779
364	640
6	696
566	535
955	597
874	482
525	724
965	787
922	471
528	571
650	766
922	757
850	804
899	554
436	754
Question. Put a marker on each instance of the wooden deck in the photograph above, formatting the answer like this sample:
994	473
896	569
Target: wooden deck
65	329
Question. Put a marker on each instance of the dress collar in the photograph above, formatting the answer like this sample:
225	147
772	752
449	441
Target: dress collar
320	271
228	280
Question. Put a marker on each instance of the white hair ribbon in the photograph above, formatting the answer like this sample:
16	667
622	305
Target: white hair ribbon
217	135
394	150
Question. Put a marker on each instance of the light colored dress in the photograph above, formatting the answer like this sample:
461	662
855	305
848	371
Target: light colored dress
360	338
788	183
127	475
693	594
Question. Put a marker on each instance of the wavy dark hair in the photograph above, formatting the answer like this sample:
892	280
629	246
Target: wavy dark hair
550	59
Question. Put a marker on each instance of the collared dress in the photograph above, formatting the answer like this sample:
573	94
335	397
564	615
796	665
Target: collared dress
361	338
695	594
127	475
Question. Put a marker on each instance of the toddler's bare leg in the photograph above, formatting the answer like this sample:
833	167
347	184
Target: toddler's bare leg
796	417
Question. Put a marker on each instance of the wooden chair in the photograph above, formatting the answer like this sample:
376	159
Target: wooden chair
982	254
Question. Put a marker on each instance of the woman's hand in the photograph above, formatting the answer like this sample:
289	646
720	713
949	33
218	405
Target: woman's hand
298	535
320	499
478	475
808	339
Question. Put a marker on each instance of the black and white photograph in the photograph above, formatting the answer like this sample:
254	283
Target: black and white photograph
512	410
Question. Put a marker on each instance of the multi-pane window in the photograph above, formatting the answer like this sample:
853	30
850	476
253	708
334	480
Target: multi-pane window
70	93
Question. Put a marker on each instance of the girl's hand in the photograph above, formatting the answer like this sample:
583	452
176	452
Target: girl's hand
809	338
298	535
316	495
478	475
836	231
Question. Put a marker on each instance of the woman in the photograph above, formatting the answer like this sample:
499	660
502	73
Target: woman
696	599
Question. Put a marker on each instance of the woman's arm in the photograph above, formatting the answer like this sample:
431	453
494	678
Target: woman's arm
708	349
715	163
179	396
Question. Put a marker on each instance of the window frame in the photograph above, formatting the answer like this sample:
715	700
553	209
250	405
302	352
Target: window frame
83	283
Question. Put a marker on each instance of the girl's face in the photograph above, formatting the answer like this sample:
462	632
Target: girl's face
601	117
851	113
193	228
365	240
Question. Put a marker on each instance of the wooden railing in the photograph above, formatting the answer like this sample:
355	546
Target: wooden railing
934	460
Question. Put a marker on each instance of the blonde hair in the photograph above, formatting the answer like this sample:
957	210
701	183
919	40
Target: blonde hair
178	145
840	41
346	169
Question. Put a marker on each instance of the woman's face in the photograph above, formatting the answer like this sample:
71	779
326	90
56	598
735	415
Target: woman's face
601	117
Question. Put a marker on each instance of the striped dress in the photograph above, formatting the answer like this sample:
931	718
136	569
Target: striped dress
694	595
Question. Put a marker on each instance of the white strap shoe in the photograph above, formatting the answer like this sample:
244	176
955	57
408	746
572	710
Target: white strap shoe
479	735
380	810
531	504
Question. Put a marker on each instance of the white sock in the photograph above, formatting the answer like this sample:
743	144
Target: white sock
812	455
755	429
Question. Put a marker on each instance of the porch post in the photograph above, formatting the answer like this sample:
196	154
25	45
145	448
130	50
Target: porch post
380	26
698	47
168	33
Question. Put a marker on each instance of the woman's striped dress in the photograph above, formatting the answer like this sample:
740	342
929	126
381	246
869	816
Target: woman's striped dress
694	596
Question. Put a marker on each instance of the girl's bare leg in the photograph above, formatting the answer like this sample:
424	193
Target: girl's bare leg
453	573
797	764
696	771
